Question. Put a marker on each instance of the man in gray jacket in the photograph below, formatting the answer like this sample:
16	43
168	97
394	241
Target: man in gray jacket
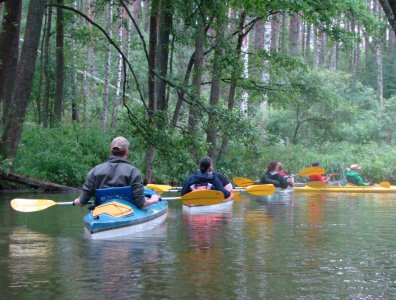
117	171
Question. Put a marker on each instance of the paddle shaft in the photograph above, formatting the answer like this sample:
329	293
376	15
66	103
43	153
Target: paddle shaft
170	198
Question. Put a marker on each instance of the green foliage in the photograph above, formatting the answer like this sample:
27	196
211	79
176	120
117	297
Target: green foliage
376	165
63	155
319	106
331	116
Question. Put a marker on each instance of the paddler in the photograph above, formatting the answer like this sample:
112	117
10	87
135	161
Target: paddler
353	177
271	176
117	171
206	179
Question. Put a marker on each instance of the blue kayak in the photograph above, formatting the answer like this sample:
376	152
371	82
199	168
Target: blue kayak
116	217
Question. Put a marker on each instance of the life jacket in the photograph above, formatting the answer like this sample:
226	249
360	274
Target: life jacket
205	186
202	181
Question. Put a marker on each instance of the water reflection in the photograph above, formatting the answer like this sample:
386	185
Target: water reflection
204	254
313	217
317	246
29	253
120	267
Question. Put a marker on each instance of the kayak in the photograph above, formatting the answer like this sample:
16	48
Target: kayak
117	217
224	206
347	189
280	194
283	192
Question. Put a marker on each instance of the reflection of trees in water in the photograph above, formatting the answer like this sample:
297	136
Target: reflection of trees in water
31	257
123	269
204	257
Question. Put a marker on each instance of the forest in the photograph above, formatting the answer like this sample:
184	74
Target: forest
242	81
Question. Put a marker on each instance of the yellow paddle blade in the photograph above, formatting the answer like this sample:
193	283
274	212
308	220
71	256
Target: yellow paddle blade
385	184
159	188
203	197
114	209
31	205
261	189
312	171
316	184
240	181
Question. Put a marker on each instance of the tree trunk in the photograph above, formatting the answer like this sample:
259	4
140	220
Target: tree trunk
118	76
75	115
389	7
283	34
392	41
46	66
319	39
165	27
181	94
137	8
308	40
234	75
126	29
378	69
274	32
357	51
162	56
215	92
294	35
60	68
197	79
258	41
1	14
146	6
152	55
23	83
378	58
9	52
105	108
36	184
91	56
153	27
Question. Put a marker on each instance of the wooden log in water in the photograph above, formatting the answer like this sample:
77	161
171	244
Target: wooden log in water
12	179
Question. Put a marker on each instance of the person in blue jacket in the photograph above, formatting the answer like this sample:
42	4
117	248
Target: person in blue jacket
204	179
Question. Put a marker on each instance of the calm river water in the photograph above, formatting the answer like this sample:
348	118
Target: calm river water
312	246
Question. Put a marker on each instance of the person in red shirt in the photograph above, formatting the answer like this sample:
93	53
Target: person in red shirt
318	177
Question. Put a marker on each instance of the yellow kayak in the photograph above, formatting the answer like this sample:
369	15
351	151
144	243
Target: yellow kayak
347	189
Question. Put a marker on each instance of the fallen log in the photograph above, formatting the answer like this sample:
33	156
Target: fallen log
13	178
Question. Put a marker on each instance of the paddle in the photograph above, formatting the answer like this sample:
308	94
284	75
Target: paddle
30	205
205	197
321	185
312	171
162	188
385	184
202	197
241	181
257	189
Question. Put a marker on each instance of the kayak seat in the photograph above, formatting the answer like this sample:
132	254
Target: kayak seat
114	209
106	194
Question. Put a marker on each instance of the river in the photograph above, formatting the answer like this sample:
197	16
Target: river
310	246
